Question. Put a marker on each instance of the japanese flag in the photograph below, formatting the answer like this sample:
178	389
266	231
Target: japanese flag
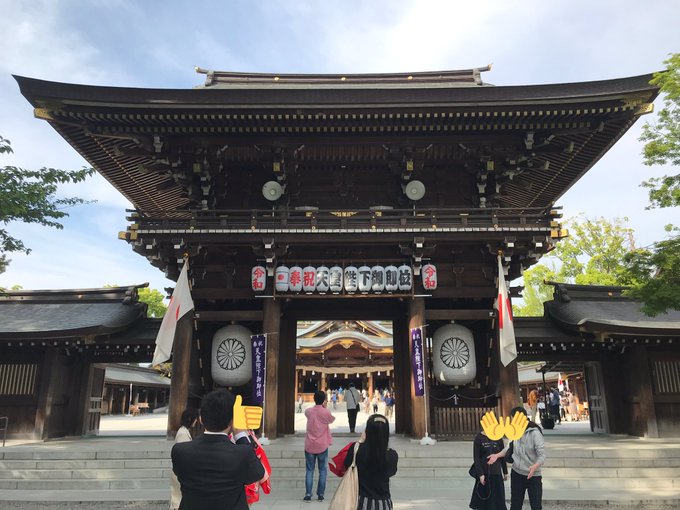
180	304
506	331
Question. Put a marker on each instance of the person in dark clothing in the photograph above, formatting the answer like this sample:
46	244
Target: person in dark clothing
376	463
352	399
489	490
527	456
213	471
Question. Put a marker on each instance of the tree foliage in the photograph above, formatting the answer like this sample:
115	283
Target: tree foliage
593	254
662	138
654	273
154	300
30	196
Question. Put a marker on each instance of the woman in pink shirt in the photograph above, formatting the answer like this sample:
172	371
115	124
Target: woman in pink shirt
317	441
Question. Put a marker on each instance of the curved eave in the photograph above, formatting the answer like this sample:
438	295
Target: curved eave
99	122
41	92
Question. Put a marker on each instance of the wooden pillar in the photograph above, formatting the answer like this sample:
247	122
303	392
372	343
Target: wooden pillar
416	313
402	375
44	407
179	384
642	376
370	385
271	325
509	384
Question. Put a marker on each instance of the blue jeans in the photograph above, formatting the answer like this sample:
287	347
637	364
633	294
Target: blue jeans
310	460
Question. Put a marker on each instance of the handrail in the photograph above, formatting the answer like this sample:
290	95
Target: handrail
347	219
4	429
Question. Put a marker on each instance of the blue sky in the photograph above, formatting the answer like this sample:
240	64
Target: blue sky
156	44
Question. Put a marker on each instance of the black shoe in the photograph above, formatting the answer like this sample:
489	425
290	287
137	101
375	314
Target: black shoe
320	498
308	499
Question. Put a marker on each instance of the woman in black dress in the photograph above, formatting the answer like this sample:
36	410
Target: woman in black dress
376	463
489	490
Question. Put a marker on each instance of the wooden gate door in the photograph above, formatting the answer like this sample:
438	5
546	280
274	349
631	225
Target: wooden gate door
93	400
596	398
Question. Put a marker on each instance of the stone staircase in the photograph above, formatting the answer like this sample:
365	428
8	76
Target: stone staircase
588	468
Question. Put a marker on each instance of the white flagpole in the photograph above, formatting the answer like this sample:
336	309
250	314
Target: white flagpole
426	440
264	441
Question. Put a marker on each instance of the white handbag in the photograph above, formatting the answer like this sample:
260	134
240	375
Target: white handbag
346	496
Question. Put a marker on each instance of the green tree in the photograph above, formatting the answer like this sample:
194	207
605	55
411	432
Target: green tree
154	299
662	138
654	273
593	254
536	291
594	251
30	196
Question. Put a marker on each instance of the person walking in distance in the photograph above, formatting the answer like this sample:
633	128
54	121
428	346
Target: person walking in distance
352	400
527	456
317	441
299	403
533	404
376	464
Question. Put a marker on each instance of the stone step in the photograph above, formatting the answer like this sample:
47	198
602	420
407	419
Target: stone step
85	484
86	464
79	474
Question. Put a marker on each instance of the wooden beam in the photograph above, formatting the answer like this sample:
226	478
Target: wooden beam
271	325
416	312
445	315
229	315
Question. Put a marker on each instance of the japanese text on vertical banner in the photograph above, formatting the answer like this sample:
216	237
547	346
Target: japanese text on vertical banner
259	348
417	361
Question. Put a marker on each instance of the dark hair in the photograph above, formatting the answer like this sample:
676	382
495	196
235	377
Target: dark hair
532	424
217	410
189	416
351	385
377	439
319	397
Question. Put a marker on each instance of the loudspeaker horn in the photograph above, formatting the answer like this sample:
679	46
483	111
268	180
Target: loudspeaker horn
415	190
272	190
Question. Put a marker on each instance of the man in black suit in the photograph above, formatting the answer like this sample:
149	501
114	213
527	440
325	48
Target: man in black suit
211	470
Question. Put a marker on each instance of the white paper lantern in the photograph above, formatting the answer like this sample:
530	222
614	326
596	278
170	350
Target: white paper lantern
295	279
429	275
453	355
377	278
391	278
231	356
365	281
309	279
322	279
258	278
335	279
351	279
282	278
405	277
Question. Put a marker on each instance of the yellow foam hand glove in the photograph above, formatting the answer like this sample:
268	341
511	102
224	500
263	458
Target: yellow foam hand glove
515	428
491	427
246	417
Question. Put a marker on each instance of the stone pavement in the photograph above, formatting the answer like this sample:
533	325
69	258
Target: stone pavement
440	491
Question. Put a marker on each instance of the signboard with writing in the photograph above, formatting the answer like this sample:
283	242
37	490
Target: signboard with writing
418	361
259	343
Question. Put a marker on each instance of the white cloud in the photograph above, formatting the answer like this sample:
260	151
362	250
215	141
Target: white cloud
126	42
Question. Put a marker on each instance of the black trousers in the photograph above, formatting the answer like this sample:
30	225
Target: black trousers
352	417
519	485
